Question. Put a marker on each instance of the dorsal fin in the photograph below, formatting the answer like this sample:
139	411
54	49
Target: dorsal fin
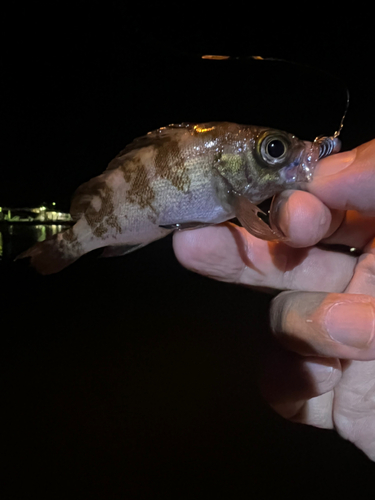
155	138
160	136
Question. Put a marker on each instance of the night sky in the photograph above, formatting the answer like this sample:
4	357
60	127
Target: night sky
132	377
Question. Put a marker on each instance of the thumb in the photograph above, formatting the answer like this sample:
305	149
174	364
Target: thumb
346	181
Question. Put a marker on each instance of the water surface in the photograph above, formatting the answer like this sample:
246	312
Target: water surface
15	238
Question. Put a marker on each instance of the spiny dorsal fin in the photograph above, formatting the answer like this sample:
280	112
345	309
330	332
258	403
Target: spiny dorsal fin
159	137
154	138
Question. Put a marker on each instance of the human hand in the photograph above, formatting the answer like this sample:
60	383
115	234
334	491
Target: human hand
326	319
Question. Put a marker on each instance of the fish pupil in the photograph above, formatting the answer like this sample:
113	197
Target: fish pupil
276	148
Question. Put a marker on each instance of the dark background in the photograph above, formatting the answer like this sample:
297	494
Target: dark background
132	377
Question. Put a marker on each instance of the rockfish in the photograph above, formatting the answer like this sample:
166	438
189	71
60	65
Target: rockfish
179	177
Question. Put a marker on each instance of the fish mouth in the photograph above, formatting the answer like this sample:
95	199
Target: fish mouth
302	168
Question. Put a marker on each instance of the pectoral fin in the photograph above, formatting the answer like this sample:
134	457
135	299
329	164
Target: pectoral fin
247	213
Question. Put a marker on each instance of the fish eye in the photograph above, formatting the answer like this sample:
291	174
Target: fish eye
274	149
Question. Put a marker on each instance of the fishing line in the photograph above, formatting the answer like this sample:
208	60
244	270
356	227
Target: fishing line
327	144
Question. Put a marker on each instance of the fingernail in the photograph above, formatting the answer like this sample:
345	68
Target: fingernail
321	373
352	324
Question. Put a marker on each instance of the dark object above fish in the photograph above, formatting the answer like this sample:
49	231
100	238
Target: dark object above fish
177	177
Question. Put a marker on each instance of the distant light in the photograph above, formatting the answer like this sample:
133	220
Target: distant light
42	208
1	209
53	203
215	58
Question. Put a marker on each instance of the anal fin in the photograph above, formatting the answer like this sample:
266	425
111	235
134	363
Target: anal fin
49	256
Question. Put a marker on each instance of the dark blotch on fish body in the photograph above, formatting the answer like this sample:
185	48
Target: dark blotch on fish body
170	165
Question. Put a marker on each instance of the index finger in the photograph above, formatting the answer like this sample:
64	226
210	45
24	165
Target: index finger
229	253
346	181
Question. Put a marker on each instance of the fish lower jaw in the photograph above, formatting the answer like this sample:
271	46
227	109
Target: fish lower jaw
296	173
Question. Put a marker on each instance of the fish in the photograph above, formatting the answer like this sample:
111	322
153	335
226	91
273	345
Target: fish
179	177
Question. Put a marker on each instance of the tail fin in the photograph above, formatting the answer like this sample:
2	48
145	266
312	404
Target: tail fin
50	256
